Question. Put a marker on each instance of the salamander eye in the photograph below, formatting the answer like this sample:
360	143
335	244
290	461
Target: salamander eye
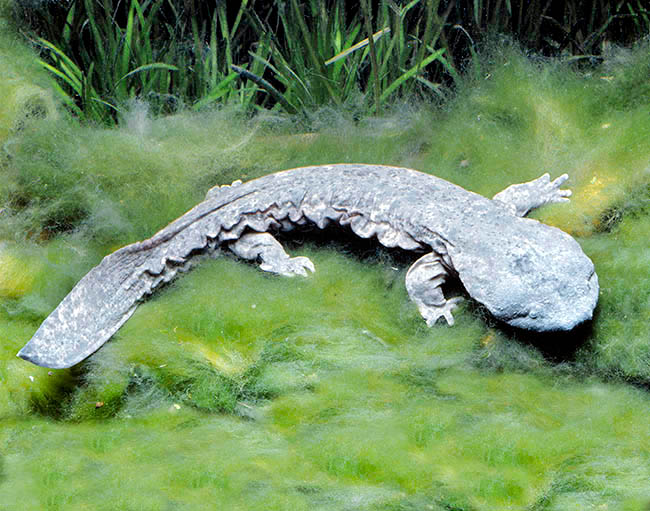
535	311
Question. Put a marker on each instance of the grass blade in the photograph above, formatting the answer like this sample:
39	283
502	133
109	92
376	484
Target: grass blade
128	39
373	54
68	100
75	86
213	52
277	95
411	73
358	46
148	67
316	62
98	39
222	89
69	64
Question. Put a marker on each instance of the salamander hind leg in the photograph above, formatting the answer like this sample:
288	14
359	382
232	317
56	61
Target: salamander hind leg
423	284
261	246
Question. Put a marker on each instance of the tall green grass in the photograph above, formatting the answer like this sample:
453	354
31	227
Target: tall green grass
296	56
320	55
105	56
103	63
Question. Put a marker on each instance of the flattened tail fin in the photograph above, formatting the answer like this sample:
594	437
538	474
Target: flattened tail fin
90	314
50	351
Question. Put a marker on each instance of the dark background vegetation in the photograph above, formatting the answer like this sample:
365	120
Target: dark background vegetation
549	26
177	53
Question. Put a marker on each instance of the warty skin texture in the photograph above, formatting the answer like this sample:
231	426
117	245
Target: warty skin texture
525	273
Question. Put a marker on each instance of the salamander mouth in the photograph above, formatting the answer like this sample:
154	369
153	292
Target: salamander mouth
591	277
563	316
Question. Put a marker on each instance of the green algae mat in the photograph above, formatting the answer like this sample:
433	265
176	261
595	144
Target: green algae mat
235	389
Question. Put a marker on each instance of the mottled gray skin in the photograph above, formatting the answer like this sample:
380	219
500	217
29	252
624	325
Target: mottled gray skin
525	273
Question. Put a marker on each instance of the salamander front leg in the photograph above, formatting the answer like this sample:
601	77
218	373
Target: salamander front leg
261	246
423	281
523	198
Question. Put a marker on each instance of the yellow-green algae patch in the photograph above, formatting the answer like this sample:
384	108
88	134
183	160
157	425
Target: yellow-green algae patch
17	273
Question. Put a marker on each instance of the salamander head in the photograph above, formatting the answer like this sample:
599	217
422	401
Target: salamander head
531	276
